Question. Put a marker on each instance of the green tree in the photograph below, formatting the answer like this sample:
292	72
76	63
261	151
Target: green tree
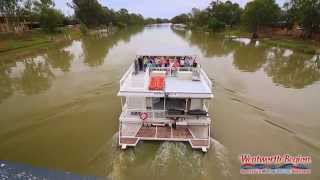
149	21
50	18
90	12
259	13
200	18
9	9
181	19
227	12
215	25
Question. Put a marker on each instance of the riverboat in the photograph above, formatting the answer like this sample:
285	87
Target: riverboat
165	97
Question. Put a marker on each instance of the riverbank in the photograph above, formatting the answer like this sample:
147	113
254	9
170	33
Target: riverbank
34	39
304	46
13	46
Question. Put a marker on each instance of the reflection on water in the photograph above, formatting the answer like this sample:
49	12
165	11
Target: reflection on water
96	49
30	76
249	58
59	58
286	67
210	45
34	74
291	69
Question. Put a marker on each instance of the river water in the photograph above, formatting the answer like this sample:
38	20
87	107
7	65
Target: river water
59	109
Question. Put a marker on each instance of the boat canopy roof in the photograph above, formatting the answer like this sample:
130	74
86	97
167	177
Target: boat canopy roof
165	52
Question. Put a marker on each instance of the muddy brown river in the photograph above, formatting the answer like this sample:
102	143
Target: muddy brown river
59	109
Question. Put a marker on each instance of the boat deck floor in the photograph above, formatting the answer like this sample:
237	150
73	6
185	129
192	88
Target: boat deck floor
165	133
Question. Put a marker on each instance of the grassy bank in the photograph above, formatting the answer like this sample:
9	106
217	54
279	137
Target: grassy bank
10	42
238	32
305	46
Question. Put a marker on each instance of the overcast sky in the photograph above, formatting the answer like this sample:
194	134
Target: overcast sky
153	8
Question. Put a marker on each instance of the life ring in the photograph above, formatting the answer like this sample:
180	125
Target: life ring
143	115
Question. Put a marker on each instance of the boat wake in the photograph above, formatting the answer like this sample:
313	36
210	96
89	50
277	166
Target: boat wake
120	160
176	158
221	153
179	159
170	159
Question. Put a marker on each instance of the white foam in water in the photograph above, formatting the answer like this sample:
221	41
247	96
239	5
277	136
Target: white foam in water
114	140
120	159
119	164
181	156
191	161
221	153
162	156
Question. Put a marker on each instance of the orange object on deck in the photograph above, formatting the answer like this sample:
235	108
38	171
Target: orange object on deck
156	83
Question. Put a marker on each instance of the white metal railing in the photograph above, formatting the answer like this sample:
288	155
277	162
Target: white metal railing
206	78
170	70
146	77
151	115
127	74
154	115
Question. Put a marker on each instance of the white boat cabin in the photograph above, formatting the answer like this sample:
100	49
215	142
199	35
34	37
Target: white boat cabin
165	97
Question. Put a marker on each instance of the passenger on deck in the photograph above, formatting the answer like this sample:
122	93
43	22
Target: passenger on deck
168	62
174	67
176	63
190	61
145	62
150	64
186	62
140	61
158	62
182	62
194	64
163	62
136	66
151	59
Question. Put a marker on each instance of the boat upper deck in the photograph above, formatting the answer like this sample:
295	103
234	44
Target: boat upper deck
178	82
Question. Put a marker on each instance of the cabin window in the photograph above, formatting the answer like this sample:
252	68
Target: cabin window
158	103
176	104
